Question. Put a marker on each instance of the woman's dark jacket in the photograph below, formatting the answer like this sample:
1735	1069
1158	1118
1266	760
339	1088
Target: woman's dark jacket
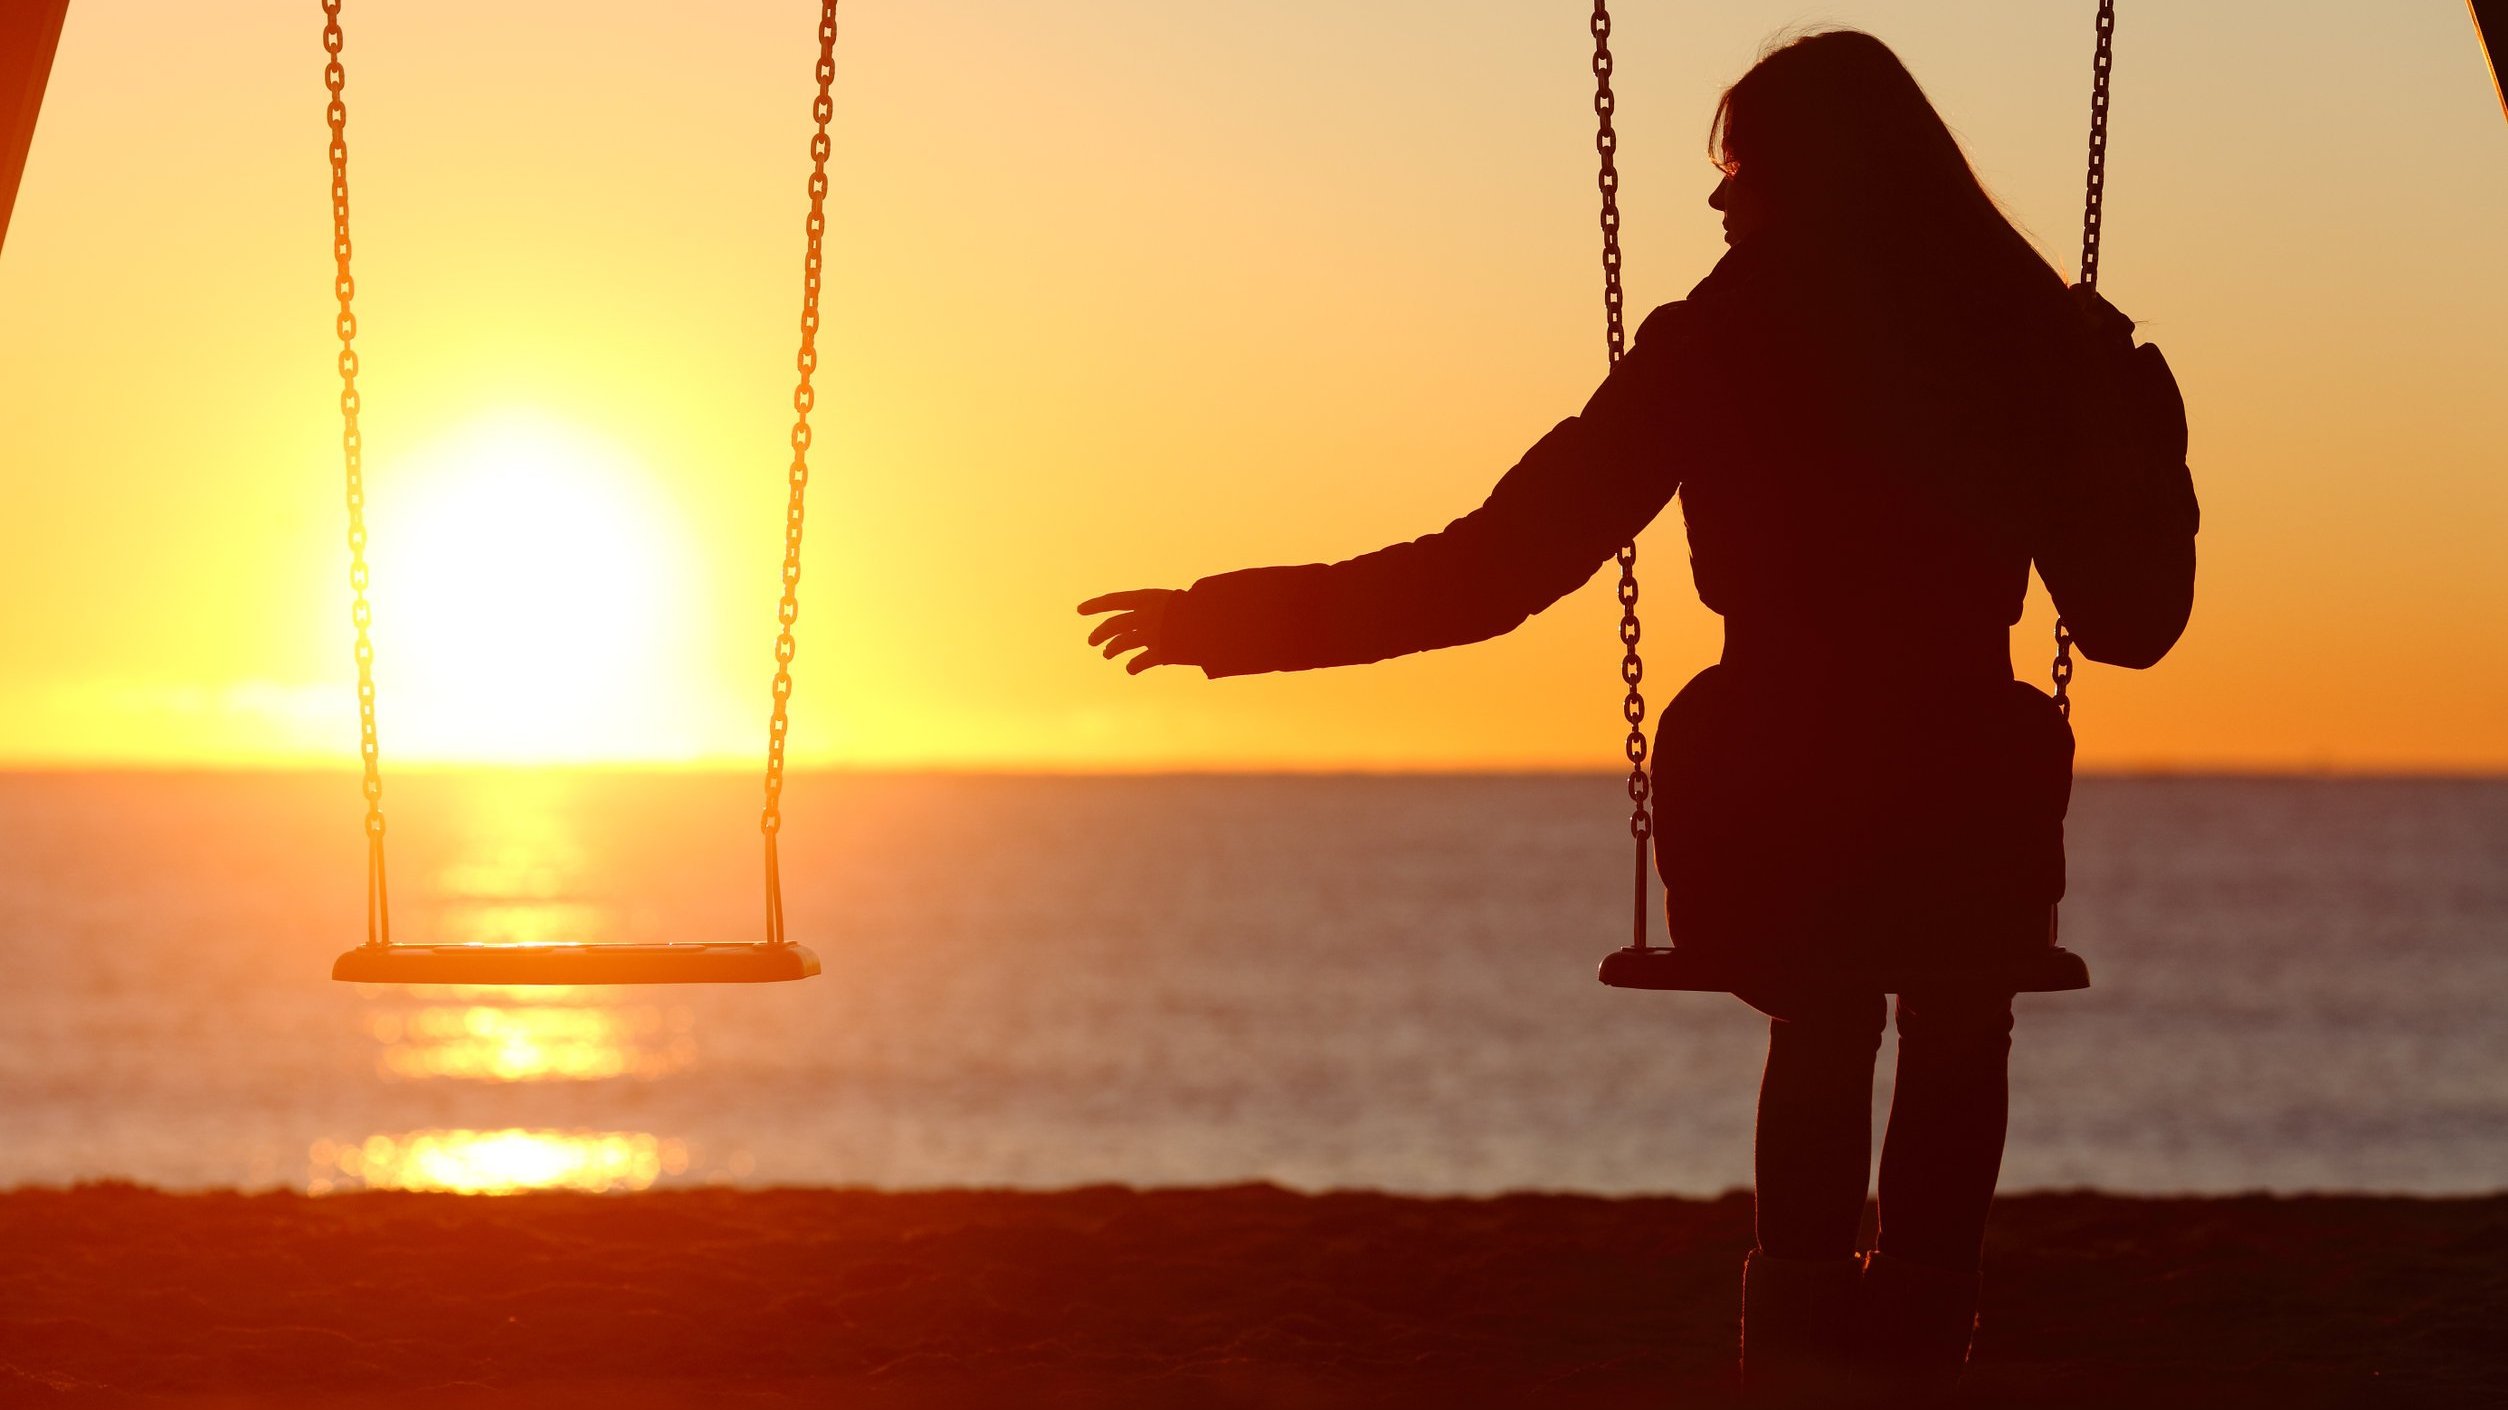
1860	789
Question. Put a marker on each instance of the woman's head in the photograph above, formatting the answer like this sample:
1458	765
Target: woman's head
1830	147
1830	136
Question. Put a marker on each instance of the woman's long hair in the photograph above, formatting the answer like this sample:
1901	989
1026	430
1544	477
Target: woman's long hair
1838	137
1851	158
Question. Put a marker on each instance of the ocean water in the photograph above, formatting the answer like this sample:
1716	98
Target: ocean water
2300	985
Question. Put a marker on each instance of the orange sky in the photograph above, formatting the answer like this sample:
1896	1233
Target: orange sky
1125	292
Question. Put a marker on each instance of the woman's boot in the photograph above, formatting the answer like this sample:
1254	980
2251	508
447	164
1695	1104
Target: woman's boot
1797	1324
1913	1325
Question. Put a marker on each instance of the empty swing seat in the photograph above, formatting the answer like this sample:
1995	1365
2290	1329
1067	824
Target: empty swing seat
2042	970
734	963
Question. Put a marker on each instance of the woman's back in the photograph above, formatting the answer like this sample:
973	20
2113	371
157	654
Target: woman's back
1901	363
1878	484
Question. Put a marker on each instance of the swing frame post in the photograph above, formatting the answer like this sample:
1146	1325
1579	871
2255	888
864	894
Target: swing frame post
2490	30
30	34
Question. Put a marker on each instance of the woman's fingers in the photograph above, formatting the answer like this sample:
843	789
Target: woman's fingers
1129	600
1129	627
1121	621
1139	616
1128	639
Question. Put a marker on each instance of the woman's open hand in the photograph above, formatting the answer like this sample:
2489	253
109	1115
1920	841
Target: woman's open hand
1139	623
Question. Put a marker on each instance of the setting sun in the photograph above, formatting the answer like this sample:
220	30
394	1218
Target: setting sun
530	596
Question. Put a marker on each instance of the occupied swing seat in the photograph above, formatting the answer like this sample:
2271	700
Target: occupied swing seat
2044	969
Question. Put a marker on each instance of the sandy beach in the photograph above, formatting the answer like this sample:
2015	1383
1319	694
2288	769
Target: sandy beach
1244	1296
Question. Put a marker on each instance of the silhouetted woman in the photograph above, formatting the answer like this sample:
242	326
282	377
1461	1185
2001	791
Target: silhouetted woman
1860	408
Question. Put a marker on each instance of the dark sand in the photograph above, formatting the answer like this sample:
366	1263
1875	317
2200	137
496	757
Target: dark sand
1202	1298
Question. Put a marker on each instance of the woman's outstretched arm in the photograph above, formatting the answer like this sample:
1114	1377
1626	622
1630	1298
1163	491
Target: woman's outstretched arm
1580	492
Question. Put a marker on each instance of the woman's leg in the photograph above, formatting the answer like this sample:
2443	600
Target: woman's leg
1814	1158
1944	1150
1813	1155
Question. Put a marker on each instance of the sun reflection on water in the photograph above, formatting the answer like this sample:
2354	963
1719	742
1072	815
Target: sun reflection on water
491	922
495	1162
532	1042
520	873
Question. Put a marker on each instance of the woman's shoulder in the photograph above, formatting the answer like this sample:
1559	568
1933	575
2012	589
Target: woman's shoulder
1756	289
1770	267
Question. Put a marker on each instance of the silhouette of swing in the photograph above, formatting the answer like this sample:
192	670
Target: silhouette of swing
1642	964
382	961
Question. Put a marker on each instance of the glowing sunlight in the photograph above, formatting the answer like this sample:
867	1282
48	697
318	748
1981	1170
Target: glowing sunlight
495	1162
530	601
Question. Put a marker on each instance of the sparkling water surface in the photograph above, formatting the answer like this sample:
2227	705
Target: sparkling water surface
2300	985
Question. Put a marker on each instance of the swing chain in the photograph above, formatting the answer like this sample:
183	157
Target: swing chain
2093	208
353	456
1607	146
806	362
2094	191
2063	669
1615	333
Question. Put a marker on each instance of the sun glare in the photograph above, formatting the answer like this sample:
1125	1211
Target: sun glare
530	602
495	1162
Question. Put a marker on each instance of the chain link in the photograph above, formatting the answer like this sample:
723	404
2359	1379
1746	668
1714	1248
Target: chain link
353	457
1615	336
806	363
2093	209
